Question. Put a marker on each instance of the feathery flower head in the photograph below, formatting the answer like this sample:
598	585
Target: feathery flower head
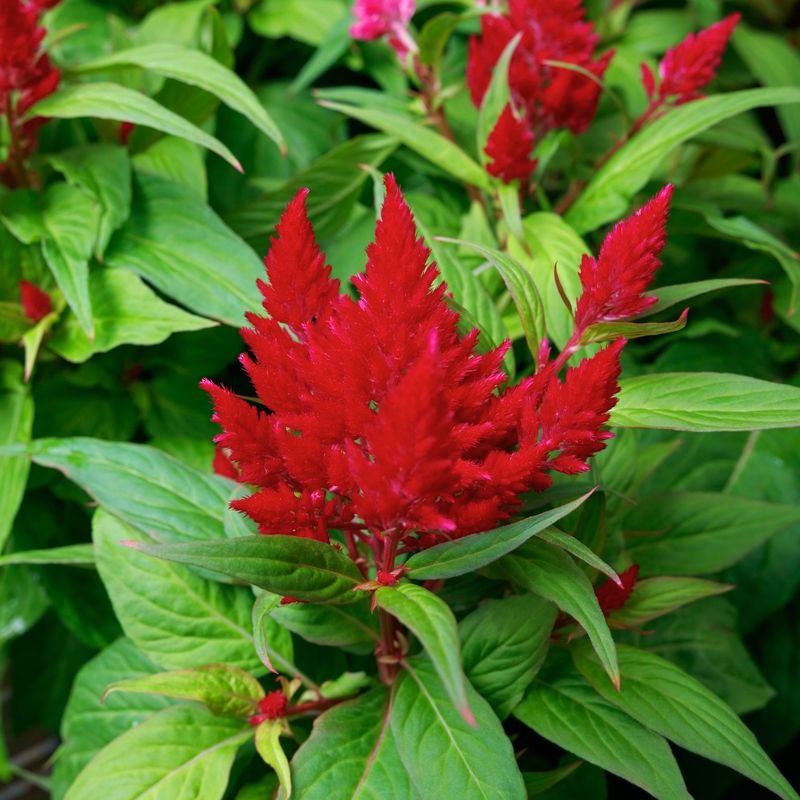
690	66
272	706
611	596
377	418
36	303
384	18
552	30
509	147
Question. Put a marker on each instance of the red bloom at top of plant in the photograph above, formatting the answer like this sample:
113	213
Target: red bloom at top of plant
611	596
272	706
552	30
377	416
36	303
509	146
613	284
389	18
691	65
26	74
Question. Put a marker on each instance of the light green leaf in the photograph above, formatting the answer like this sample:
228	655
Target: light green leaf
552	243
16	424
496	98
698	533
180	753
174	241
430	619
669	296
571	714
449	559
225	690
174	616
143	486
104	170
332	48
608	195
577	548
197	69
287	565
412	133
115	102
504	643
273	642
305	20
521	287
79	555
609	331
124	311
705	401
442	754
667	700
269	748
553	575
352	753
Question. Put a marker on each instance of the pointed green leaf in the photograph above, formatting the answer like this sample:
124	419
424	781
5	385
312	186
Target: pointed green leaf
273	642
449	559
73	554
497	96
608	331
577	548
669	296
269	748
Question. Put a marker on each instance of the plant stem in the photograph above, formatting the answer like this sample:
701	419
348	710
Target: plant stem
387	648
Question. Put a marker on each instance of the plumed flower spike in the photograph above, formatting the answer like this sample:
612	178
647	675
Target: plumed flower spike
381	421
36	303
691	65
509	147
614	283
375	19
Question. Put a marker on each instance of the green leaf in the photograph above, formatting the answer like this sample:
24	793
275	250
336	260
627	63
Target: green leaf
351	627
430	619
496	98
143	486
174	616
174	241
104	170
89	723
664	698
197	69
352	753
669	296
286	565
79	555
504	643
705	401
552	244
22	602
553	575
442	754
697	533
449	559
115	102
521	287
608	195
180	753
571	714
273	643
225	690
305	20
429	144
435	34
609	331
333	47
575	547
654	597
269	748
537	783
16	424
124	311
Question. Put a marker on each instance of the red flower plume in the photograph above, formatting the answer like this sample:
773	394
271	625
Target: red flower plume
691	65
36	303
378	417
611	596
509	146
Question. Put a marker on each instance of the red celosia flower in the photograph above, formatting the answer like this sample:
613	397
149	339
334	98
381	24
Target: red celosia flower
384	18
509	146
611	596
36	303
552	30
125	131
378	417
272	706
385	578
26	76
613	284
222	465
688	67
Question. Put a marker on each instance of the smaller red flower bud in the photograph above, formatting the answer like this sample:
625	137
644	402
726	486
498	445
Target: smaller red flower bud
385	578
286	601
611	596
273	706
222	465
35	303
125	131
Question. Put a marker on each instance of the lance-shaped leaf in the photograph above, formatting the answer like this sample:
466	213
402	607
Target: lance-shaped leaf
198	69
669	701
430	619
269	748
497	96
608	331
225	690
577	548
273	642
79	555
449	559
569	713
286	565
669	296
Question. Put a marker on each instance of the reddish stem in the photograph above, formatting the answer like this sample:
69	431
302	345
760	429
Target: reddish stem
314	705
14	161
387	647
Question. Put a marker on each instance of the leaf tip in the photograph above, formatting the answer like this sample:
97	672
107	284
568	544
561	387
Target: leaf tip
469	717
131	543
